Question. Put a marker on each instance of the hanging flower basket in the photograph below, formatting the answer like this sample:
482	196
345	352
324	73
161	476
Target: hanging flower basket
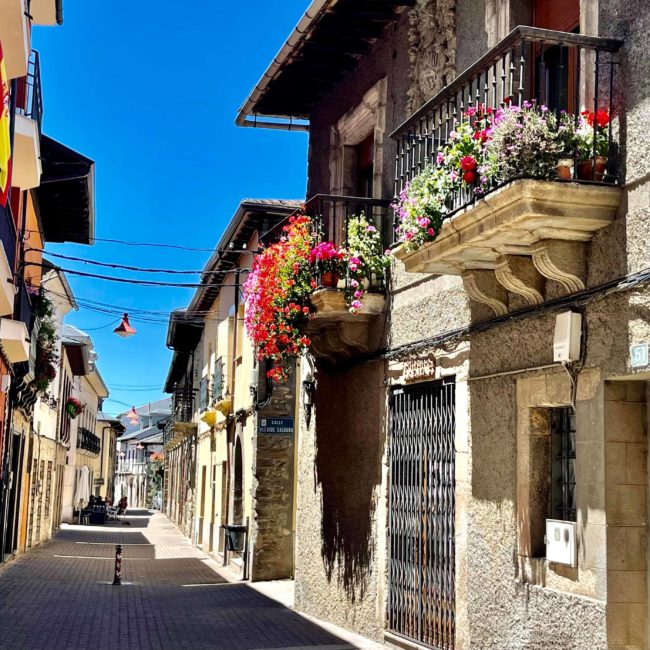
73	407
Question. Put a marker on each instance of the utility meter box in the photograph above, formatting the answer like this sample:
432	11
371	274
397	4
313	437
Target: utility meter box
568	332
561	542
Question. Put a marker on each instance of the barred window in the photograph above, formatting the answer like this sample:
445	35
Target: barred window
563	463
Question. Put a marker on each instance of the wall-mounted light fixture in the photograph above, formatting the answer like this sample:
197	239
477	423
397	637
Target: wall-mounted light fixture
308	389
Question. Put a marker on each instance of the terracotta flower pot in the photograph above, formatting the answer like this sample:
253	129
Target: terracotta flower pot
564	169
592	170
329	278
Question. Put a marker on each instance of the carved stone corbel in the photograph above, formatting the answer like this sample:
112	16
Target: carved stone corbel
562	261
482	286
518	274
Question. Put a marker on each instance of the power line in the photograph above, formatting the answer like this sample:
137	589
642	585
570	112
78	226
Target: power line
139	269
135	243
145	283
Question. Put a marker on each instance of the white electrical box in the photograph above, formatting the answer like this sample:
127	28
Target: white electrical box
568	331
561	542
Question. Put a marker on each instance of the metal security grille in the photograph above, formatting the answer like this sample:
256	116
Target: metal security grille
421	519
563	474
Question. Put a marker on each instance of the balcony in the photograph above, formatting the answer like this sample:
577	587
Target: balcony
46	12
523	232
26	173
15	37
14	339
88	441
183	404
7	261
335	333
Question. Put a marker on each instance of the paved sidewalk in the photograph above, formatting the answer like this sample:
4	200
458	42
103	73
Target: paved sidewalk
173	596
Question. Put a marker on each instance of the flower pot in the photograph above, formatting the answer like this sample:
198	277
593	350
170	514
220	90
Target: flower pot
564	169
329	278
592	170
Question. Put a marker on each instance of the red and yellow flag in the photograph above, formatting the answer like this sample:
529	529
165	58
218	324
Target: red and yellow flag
5	139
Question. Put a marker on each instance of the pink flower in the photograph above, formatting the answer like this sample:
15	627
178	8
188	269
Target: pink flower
358	294
423	222
354	263
408	236
354	283
356	304
371	228
431	232
440	158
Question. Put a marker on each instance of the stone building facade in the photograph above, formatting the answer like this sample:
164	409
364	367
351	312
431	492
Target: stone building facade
229	445
468	356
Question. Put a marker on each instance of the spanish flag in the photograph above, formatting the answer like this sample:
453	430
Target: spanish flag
5	139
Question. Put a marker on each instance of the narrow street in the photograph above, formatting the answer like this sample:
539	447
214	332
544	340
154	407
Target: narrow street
172	596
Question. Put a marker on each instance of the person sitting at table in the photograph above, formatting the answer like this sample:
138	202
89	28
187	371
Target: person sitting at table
122	505
91	501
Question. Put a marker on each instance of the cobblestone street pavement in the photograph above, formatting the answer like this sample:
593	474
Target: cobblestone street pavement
60	596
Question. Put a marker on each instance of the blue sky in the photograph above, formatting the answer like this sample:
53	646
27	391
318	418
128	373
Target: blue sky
150	90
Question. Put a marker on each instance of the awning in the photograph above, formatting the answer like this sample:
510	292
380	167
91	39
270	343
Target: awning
65	199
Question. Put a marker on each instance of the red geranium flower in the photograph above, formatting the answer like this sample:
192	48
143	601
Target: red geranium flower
467	163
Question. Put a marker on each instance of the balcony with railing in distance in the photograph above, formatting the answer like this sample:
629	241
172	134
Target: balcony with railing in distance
183	404
26	170
337	334
88	441
520	231
8	237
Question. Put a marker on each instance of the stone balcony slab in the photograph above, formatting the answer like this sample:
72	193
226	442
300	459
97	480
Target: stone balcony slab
513	220
335	333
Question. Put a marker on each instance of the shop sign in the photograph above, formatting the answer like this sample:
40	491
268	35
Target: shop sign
420	368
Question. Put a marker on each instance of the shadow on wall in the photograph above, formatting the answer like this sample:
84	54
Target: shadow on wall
350	434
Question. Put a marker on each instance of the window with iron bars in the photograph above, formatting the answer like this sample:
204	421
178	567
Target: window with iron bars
217	381
563	464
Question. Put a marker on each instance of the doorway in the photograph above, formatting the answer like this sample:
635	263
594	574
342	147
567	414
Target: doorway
421	579
238	484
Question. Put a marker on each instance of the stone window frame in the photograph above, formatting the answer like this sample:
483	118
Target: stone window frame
353	128
536	396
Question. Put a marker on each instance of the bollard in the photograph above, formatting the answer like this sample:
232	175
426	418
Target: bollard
117	580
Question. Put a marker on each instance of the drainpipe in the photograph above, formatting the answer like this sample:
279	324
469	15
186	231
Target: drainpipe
59	12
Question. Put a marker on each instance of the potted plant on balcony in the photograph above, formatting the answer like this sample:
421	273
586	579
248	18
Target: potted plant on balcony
566	139
46	344
421	207
592	144
523	142
366	261
276	297
327	261
73	407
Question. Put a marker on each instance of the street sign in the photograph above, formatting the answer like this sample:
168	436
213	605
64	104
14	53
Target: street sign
99	481
278	426
639	355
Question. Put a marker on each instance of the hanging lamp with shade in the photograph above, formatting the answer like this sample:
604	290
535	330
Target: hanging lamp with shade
125	329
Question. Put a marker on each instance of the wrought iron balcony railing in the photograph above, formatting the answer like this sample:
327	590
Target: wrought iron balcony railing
332	215
25	310
87	440
563	71
183	404
203	393
8	235
217	381
29	100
